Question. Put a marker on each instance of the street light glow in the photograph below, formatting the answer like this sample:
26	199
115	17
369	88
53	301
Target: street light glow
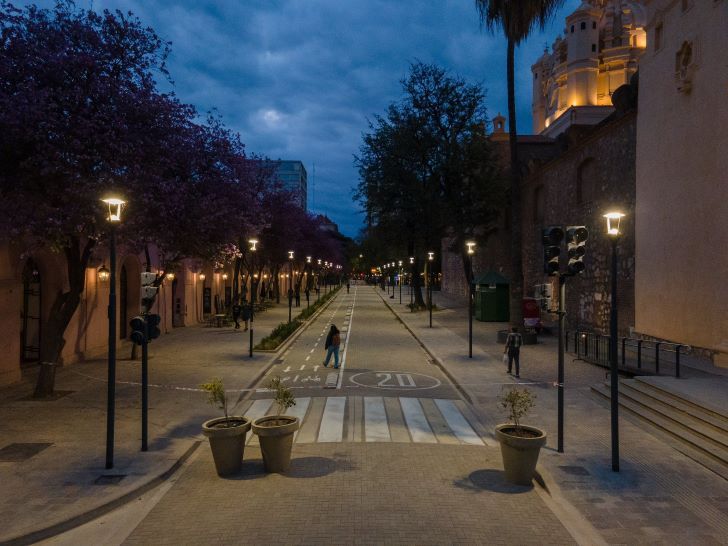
103	273
290	254
430	256
471	247
115	206
202	276
613	220
253	242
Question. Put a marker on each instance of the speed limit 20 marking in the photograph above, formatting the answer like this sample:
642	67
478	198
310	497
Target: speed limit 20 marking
395	380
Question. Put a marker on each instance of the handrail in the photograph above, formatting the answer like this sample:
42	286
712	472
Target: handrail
595	347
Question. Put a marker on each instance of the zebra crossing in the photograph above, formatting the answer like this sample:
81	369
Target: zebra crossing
378	419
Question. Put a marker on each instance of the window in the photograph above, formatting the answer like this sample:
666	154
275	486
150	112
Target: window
594	47
572	29
535	75
594	25
583	25
658	36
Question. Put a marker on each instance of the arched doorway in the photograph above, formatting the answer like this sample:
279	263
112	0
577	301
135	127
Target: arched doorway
123	302
30	329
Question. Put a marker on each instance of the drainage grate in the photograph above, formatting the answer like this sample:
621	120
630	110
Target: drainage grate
575	470
15	453
109	479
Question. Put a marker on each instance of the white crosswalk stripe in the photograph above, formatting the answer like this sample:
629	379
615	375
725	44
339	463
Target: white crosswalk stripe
383	419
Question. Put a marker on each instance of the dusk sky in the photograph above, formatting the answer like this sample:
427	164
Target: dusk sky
299	78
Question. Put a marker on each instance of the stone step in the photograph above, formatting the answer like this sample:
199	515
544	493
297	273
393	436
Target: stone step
686	413
703	409
687	442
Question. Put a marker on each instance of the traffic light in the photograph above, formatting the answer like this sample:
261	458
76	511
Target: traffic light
153	326
552	237
576	237
138	330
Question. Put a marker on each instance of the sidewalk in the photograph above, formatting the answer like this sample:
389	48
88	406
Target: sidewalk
52	452
659	496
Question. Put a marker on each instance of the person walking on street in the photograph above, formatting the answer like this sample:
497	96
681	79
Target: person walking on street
245	312
333	340
236	314
347	287
513	349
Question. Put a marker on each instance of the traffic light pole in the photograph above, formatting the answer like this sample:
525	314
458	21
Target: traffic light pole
145	386
562	314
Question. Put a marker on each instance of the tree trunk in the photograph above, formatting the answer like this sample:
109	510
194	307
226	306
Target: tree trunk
61	313
419	302
516	302
236	276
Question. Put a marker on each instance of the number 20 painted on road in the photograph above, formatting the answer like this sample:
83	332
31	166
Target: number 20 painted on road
404	380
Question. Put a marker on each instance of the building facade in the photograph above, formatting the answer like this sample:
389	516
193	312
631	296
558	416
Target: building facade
682	192
293	176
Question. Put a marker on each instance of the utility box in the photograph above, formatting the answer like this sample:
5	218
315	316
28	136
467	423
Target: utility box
492	298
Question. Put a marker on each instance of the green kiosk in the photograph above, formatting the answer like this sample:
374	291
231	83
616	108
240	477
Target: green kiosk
492	293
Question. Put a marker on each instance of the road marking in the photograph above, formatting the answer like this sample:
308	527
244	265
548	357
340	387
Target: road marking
416	421
315	368
299	410
309	356
332	422
312	350
346	347
457	422
302	366
288	369
375	420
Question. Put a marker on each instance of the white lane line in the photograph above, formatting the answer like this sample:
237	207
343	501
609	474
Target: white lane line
299	410
457	423
375	420
416	421
332	422
316	367
257	410
288	369
302	366
346	348
312	350
309	356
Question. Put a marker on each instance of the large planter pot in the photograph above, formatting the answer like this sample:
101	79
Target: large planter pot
227	442
275	433
520	453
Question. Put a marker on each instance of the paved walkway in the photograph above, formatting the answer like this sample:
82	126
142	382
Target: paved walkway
359	490
52	452
659	496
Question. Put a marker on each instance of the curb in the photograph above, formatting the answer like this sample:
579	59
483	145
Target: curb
80	519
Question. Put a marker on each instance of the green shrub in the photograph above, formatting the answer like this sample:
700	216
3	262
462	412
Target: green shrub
517	403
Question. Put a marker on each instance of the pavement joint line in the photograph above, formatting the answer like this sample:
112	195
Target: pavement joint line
346	344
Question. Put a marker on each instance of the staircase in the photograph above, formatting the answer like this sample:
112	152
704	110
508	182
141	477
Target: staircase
699	432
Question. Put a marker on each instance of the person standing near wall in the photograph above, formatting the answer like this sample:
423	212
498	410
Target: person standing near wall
513	349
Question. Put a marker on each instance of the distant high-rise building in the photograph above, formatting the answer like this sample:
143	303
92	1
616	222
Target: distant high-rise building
292	175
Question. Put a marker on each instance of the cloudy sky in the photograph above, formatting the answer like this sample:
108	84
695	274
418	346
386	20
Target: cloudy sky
299	78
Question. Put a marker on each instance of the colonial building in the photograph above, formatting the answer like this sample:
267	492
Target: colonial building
599	52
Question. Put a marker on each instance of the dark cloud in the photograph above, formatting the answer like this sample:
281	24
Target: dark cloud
298	78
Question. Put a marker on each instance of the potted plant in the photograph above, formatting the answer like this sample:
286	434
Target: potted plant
520	444
275	432
226	434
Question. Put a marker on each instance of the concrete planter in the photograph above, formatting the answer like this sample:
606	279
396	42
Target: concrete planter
227	442
275	433
520	454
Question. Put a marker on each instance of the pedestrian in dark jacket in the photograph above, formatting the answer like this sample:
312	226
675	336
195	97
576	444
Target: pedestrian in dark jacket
333	341
236	315
513	349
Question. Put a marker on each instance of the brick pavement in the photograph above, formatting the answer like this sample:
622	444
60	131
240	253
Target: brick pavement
659	497
354	494
58	483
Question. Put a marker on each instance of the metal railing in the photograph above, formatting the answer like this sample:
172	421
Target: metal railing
637	356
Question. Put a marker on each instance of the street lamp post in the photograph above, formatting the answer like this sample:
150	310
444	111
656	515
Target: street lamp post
471	251
202	297
290	284
253	243
115	206
613	221
430	259
412	304
400	281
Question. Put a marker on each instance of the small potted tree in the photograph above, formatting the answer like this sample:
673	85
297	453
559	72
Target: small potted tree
275	432
226	434
520	444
